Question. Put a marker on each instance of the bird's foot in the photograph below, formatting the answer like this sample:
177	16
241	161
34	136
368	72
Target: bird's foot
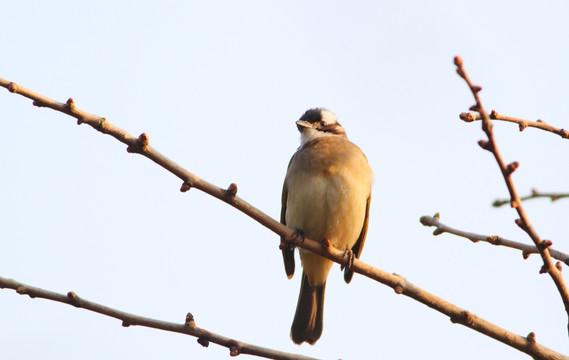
297	237
349	256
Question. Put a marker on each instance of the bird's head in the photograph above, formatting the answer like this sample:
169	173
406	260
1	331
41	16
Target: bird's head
317	123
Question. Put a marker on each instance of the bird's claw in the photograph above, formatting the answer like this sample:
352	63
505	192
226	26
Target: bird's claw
349	254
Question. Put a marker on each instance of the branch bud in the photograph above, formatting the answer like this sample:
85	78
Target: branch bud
203	341
190	320
493	114
520	223
485	144
458	61
231	190
512	167
185	187
13	87
143	140
70	105
73	298
544	244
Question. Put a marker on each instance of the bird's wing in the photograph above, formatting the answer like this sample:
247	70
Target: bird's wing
288	249
359	245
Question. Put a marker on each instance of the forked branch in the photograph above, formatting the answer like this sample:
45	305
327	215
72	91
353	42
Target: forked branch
141	146
188	327
515	201
522	123
534	195
527	250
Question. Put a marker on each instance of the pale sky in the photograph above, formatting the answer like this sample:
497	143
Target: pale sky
217	86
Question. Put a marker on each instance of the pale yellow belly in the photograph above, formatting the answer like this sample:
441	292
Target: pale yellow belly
326	207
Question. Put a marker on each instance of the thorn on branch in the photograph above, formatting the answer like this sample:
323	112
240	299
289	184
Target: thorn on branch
231	190
474	107
494	114
523	126
185	187
544	269
203	341
559	266
125	323
437	216
190	320
476	88
525	254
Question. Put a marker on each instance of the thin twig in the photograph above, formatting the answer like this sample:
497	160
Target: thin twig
527	250
515	201
141	145
523	124
189	327
534	195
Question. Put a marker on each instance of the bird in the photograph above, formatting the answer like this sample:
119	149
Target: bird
326	197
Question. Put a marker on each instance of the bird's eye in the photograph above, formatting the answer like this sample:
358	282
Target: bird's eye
322	123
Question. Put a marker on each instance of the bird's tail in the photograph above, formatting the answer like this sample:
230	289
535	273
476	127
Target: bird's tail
307	323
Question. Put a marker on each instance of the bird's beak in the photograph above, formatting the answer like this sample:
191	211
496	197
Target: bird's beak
301	125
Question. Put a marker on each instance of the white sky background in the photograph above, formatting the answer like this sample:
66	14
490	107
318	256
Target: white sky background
217	86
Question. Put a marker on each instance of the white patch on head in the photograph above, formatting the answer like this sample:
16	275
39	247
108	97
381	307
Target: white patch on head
329	117
310	133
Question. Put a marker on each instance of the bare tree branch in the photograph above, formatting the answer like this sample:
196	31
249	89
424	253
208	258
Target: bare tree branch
534	195
491	239
189	327
141	146
539	124
515	201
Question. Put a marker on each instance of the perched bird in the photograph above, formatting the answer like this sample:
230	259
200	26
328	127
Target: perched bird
326	195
